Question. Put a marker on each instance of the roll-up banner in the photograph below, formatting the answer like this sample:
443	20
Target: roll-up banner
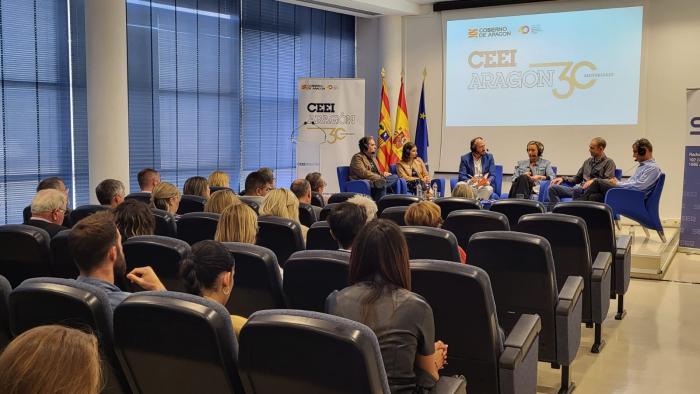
331	121
690	214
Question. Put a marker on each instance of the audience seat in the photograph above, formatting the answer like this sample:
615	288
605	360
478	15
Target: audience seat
163	254
250	202
139	196
395	200
326	210
311	275
514	208
257	280
346	185
307	214
568	237
171	342
197	226
213	189
317	199
466	222
340	197
431	243
62	263
85	210
601	235
166	224
521	269
639	207
189	203
319	237
450	204
282	236
490	363
25	253
5	333
41	301
395	214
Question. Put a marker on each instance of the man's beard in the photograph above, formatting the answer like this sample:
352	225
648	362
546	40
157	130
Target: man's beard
120	265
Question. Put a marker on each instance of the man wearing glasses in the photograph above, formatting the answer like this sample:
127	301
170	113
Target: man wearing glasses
48	211
56	183
257	185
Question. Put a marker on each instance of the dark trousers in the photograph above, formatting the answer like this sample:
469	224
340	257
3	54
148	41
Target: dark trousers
596	191
379	192
521	185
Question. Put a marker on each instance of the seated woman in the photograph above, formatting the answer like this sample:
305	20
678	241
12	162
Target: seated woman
528	173
412	169
134	218
208	272
196	186
283	203
464	190
165	196
427	213
220	200
379	296
238	223
51	359
218	179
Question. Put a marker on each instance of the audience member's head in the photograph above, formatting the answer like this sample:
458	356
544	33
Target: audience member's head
110	192
464	190
51	359
208	271
316	181
95	245
268	174
196	186
53	182
165	196
218	179
367	203
302	189
423	213
148	178
282	203
257	184
346	220
220	200
134	218
50	204
238	223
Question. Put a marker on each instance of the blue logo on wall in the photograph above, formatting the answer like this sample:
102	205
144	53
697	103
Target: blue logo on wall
695	124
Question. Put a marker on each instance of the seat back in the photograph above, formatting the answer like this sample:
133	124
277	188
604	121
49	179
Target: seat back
470	328
213	189
311	275
317	199
521	269
139	196
326	210
467	222
25	253
343	173
163	254
395	200
42	301
514	208
341	197
568	237
431	243
257	281
652	201
84	211
5	333
395	214
282	236
307	215
197	226
319	237
26	213
171	342
599	223
451	204
62	263
250	202
190	203
288	351
166	225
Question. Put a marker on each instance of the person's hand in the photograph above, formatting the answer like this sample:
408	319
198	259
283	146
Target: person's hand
146	278
426	179
557	181
475	180
440	354
387	173
613	181
587	184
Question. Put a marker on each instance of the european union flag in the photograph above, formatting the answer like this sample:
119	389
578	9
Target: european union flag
422	128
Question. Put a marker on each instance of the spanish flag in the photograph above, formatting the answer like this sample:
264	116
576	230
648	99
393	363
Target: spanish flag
401	134
384	149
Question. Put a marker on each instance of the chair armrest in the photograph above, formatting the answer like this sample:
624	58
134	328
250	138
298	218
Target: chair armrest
623	242
402	186
521	338
626	200
359	186
569	295
601	266
544	188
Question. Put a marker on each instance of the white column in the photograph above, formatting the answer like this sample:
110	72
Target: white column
107	92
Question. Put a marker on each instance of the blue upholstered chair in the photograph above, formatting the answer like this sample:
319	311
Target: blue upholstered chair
638	207
403	186
346	185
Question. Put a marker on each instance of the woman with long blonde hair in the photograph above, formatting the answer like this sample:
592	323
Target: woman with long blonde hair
218	179
220	200
238	223
165	196
283	203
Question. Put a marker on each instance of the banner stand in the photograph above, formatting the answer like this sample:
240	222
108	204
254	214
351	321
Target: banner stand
690	212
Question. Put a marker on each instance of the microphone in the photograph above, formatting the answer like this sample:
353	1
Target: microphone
292	139
325	136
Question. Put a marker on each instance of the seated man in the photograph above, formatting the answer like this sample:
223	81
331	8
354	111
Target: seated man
302	189
364	166
598	166
318	185
148	178
346	220
257	185
48	210
478	168
110	193
56	183
644	178
96	247
528	173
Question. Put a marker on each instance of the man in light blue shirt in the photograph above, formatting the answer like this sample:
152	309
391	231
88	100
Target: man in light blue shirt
644	179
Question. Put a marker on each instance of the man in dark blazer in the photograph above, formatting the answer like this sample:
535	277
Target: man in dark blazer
48	208
364	166
477	168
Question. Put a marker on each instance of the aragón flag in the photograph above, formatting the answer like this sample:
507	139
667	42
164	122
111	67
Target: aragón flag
422	128
384	133
401	134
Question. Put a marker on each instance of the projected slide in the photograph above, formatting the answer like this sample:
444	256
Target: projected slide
567	68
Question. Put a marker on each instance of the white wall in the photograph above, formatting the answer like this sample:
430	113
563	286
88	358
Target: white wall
672	64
